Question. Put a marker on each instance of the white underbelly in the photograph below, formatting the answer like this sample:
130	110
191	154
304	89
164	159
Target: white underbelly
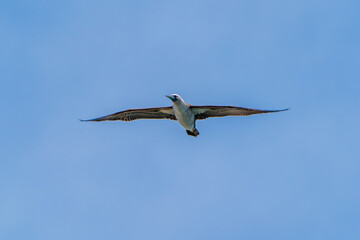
186	119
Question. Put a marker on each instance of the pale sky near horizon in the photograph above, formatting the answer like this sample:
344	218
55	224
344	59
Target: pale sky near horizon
288	175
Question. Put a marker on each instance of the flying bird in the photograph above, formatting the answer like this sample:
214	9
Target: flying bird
182	112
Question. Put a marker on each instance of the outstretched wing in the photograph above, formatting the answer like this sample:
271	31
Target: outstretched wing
203	112
134	114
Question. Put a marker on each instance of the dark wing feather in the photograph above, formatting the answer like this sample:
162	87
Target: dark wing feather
134	114
203	112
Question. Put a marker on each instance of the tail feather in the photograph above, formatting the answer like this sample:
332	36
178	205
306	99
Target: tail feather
193	133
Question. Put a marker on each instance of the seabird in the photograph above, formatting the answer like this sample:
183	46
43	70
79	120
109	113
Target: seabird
182	112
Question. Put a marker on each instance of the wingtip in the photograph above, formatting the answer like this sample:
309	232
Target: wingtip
281	110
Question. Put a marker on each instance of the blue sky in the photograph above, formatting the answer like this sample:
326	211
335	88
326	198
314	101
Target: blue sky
290	175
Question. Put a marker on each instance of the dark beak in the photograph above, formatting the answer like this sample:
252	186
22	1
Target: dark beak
170	97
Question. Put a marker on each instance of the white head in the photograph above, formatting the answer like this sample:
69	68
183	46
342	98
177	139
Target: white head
174	98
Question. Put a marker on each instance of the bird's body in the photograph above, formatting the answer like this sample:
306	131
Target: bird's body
182	112
184	115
